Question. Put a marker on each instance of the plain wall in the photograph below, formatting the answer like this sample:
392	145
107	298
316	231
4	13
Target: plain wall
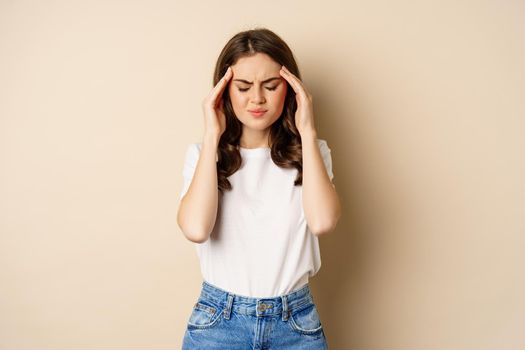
421	102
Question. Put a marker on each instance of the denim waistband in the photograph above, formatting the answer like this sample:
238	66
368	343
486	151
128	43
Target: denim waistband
279	305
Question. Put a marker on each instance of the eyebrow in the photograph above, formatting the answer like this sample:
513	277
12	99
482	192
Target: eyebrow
249	82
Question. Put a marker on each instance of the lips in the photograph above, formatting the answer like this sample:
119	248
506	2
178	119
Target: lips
257	112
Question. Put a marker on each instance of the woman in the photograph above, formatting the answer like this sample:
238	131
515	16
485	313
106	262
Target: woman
257	193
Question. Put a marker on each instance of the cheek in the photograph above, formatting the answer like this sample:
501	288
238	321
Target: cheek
280	95
236	97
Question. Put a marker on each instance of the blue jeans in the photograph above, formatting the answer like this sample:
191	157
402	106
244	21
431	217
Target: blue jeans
223	320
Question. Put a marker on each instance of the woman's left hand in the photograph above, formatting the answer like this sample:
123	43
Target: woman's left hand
304	116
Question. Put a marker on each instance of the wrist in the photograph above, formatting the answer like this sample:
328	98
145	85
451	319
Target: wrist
309	133
212	139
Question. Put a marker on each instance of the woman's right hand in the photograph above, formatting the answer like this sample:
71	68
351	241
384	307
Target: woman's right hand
213	107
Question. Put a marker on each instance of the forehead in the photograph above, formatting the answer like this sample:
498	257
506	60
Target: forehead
259	67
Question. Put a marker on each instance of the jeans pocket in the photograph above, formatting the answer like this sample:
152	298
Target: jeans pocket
306	320
205	314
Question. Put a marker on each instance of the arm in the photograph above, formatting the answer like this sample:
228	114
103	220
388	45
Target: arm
198	207
321	203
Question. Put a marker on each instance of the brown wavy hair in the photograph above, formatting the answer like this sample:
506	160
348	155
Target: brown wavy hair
284	138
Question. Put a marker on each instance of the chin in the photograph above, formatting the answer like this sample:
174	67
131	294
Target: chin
257	123
257	126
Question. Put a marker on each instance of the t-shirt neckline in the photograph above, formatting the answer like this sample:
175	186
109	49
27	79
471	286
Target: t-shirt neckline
253	152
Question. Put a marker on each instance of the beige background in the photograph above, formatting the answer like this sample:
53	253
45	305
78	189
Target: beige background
422	104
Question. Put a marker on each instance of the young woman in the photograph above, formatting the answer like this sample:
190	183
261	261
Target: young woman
257	193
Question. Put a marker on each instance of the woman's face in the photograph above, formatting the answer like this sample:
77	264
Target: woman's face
257	85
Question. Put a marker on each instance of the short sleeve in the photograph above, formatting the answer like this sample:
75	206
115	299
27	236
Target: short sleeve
190	163
326	154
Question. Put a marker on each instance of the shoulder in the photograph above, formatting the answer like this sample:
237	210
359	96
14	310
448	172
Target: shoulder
322	143
323	146
192	151
194	147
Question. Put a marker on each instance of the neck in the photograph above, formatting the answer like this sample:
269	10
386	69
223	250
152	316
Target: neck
254	139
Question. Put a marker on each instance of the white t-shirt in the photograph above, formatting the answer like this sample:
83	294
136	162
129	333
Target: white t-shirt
261	245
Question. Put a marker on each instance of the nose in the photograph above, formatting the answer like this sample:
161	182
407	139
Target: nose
258	96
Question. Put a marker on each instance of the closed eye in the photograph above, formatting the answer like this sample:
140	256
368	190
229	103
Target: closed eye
268	88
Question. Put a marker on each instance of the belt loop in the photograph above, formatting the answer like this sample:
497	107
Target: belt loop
228	309
285	307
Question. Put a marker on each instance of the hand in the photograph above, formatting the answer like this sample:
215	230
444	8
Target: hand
212	105
304	116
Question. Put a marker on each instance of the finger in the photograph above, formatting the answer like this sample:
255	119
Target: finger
290	73
293	80
221	84
286	76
